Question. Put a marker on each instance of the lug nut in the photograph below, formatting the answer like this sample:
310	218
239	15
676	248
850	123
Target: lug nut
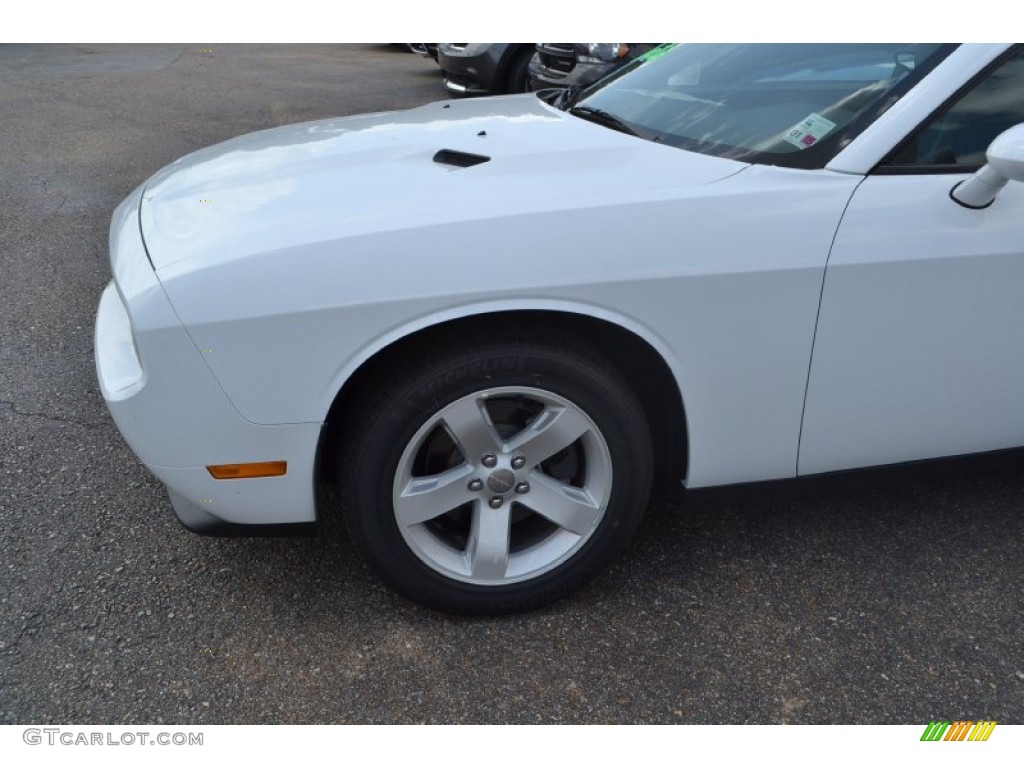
518	462
489	460
476	484
496	502
523	488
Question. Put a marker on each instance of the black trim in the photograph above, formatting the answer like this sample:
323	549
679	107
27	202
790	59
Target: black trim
923	170
236	530
962	204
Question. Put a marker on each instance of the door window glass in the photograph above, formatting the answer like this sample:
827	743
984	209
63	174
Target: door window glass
957	138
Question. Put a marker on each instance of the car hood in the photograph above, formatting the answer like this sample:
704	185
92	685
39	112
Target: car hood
327	180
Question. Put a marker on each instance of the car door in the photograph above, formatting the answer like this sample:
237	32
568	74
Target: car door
919	349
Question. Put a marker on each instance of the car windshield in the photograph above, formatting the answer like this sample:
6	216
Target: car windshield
793	105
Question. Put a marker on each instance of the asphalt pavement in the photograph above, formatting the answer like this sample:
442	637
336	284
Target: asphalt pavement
881	597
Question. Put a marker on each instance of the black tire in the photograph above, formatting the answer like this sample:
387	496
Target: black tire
517	78
506	391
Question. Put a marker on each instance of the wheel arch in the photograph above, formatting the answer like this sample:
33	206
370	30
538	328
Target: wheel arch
639	355
512	52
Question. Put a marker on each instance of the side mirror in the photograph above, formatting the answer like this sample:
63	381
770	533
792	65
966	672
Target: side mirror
1005	157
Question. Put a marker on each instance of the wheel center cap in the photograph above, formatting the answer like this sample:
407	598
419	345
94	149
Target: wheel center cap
501	481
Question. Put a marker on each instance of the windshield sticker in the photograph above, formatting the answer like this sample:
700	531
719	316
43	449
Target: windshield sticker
654	53
809	131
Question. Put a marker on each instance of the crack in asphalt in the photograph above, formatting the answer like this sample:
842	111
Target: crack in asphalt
51	417
41	181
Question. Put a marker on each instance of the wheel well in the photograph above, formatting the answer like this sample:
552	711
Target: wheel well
643	368
514	51
512	57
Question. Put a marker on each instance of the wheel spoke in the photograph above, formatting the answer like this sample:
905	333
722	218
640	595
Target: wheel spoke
568	507
554	429
487	549
425	498
470	426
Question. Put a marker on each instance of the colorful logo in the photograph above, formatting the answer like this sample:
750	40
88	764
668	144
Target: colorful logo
960	730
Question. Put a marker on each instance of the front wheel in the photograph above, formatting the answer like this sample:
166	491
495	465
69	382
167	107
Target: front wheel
498	477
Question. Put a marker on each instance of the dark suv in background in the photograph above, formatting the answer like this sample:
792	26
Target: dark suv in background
478	69
559	65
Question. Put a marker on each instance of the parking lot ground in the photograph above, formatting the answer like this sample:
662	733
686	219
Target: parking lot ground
883	597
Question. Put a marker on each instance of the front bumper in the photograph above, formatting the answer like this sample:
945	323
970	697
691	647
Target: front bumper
469	74
173	413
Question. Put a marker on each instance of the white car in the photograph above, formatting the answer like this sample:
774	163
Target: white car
497	322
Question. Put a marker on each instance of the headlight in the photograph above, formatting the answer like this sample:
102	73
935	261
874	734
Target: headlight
117	360
592	53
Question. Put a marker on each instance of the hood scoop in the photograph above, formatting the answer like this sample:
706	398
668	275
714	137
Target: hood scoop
459	159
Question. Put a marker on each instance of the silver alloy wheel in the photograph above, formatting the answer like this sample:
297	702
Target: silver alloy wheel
502	485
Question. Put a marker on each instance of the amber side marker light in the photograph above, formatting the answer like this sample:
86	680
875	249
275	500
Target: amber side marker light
242	471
